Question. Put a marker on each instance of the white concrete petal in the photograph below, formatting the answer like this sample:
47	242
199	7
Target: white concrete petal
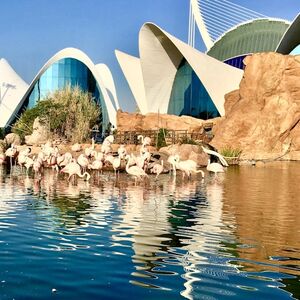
12	88
132	71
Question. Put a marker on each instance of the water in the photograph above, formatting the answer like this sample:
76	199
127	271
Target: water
237	237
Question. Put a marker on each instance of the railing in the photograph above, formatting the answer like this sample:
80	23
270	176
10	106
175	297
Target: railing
170	136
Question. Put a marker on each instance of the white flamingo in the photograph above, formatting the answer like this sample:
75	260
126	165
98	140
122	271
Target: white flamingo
116	164
64	159
76	147
215	167
172	161
11	152
96	165
37	165
83	161
122	151
158	169
73	169
188	166
89	150
135	171
22	156
29	163
2	158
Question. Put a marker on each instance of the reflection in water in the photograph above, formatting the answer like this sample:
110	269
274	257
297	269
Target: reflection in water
209	239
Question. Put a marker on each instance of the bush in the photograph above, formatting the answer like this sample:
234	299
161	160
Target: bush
69	114
161	138
229	152
188	140
2	133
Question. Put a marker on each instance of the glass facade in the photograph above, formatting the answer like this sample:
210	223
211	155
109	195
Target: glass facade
189	96
236	62
64	72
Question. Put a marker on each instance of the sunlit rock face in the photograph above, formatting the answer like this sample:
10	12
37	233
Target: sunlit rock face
262	117
153	121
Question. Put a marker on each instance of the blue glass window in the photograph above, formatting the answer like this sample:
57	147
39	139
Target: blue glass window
189	96
67	71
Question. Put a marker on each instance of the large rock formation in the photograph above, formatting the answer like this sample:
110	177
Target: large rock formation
153	121
262	117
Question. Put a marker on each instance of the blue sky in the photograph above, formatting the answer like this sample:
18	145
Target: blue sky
34	30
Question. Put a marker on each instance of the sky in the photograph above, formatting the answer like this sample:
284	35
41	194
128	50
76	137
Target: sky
32	31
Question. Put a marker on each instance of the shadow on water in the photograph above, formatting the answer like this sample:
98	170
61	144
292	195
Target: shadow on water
238	236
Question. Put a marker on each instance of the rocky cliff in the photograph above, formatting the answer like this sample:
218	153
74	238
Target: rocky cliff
153	121
262	117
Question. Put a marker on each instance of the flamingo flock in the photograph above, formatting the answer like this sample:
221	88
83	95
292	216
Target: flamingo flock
91	161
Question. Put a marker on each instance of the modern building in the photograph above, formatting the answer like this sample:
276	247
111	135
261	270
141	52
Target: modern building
172	77
230	32
290	41
72	67
12	89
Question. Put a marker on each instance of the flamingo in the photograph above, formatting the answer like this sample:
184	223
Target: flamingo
188	166
89	150
145	142
158	169
64	159
76	147
96	165
11	152
28	163
73	169
22	156
37	165
135	171
172	161
122	151
2	158
215	167
83	161
116	163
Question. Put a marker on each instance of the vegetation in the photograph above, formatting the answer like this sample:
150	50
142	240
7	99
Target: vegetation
2	133
69	114
188	140
161	138
229	152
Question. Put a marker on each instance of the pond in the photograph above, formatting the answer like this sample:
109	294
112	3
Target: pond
234	237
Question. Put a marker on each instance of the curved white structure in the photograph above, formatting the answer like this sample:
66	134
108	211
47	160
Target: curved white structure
82	57
109	83
151	77
12	88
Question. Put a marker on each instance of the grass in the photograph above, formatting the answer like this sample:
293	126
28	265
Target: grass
229	152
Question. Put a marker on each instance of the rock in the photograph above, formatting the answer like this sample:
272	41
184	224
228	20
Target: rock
39	135
12	138
153	121
187	151
262	117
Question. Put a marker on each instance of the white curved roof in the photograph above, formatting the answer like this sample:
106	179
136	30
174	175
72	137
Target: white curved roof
12	88
108	82
79	55
160	55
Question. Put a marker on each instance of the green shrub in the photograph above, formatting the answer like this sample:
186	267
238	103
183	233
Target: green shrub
2	133
161	138
69	113
231	152
188	140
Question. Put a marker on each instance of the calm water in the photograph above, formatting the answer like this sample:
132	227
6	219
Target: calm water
235	238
